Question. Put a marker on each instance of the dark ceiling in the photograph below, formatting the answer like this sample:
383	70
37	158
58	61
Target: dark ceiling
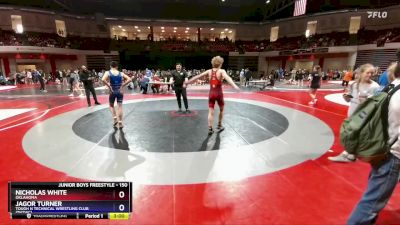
228	10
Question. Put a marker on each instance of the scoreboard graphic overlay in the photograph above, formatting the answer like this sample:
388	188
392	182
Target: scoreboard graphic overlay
70	200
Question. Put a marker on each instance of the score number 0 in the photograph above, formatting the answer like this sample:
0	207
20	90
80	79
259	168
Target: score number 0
121	194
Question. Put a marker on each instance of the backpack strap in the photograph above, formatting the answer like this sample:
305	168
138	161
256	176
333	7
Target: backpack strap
392	89
391	144
387	88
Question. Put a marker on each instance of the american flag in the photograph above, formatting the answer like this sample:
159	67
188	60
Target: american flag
300	7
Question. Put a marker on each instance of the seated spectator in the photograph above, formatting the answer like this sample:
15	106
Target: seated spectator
144	83
156	87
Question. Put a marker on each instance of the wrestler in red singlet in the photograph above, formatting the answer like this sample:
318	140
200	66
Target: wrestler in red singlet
216	93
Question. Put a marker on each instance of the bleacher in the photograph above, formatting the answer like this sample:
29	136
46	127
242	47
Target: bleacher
379	57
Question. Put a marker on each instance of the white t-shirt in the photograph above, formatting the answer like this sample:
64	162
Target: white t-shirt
394	121
361	93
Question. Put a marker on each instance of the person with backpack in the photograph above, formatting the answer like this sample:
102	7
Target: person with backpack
359	91
384	176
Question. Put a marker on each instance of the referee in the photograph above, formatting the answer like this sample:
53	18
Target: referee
178	79
87	79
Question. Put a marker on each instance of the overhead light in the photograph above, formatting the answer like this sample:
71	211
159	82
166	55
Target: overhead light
119	26
186	31
222	0
222	32
20	29
307	33
123	30
212	29
230	31
162	28
163	31
175	28
138	30
174	31
187	28
148	27
226	29
136	27
268	1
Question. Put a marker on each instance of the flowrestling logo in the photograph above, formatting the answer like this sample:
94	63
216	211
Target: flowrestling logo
376	14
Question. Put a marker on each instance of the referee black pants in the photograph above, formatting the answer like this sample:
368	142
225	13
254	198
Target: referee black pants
90	89
181	92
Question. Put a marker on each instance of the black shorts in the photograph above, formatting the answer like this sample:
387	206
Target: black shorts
116	95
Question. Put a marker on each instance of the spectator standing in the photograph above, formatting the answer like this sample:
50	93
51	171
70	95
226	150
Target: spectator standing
315	84
359	91
242	77
347	78
74	76
39	77
29	77
247	75
383	178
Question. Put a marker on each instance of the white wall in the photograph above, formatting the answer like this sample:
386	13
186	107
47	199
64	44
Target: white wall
2	67
304	64
352	60
290	64
251	32
71	64
336	63
47	66
273	65
13	65
5	20
262	65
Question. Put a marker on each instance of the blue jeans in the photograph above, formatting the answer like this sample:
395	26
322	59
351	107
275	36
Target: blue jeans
381	184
